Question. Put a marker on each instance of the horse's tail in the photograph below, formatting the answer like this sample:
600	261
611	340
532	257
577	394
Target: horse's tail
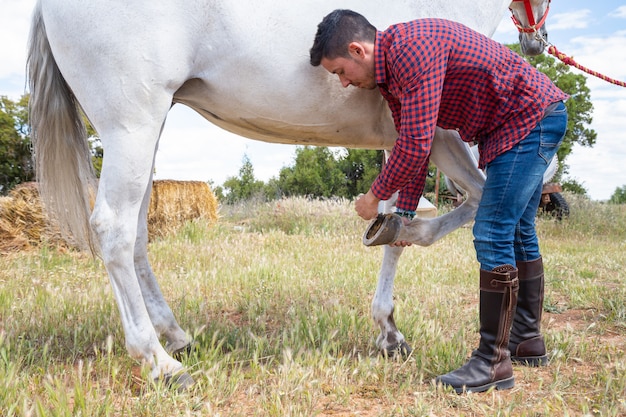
61	153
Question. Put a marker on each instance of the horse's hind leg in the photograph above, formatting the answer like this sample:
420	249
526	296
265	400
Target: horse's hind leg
126	172
160	313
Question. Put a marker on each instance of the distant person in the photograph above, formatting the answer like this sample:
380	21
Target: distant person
435	72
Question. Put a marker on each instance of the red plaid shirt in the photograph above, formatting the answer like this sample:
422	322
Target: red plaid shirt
435	72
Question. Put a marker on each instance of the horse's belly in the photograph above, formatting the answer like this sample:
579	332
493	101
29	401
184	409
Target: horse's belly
303	115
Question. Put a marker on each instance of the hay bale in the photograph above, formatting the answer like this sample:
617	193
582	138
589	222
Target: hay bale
11	240
173	203
25	225
23	222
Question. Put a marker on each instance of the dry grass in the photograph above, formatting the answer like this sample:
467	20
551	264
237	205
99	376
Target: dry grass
280	314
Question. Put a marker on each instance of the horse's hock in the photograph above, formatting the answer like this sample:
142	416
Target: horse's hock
25	225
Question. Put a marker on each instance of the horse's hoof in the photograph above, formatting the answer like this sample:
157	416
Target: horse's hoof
183	352
180	382
399	350
384	229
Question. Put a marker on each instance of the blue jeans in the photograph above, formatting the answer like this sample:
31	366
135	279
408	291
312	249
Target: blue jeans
504	228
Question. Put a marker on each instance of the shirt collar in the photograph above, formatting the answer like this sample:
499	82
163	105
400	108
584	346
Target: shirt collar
383	41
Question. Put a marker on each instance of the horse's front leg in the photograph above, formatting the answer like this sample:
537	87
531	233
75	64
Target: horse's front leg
391	341
455	159
161	315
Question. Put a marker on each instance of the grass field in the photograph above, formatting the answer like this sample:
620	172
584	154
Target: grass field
277	297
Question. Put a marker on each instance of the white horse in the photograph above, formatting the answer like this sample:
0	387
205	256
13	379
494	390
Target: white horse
243	65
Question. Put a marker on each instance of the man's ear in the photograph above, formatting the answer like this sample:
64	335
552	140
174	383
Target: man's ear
356	50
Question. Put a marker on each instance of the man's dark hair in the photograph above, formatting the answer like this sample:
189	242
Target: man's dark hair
335	33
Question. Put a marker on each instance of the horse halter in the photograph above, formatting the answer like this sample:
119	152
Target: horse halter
533	26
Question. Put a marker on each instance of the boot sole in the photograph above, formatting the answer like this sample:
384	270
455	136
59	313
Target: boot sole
500	385
531	361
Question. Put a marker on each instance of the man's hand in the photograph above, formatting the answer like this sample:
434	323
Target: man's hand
366	206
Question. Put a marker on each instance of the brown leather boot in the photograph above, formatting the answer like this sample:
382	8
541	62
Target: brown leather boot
490	364
526	342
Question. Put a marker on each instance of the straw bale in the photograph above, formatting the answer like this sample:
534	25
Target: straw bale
175	202
25	225
10	239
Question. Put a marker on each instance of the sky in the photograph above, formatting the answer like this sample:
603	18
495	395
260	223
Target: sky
593	33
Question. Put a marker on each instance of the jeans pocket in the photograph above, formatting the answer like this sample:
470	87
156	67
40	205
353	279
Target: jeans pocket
553	128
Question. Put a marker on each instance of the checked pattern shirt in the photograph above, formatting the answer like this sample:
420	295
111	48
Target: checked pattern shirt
435	72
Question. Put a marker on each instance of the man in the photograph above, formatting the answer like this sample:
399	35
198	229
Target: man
435	72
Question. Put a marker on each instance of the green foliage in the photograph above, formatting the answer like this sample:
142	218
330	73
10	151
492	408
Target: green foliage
320	172
315	174
97	152
360	168
217	190
573	187
244	186
15	155
619	195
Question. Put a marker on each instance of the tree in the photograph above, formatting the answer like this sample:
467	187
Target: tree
316	173
243	187
360	168
15	154
579	106
573	186
619	196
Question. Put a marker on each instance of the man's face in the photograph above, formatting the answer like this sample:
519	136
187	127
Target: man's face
356	70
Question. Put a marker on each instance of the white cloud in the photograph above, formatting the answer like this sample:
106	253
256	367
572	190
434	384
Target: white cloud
506	28
604	55
14	26
620	12
578	19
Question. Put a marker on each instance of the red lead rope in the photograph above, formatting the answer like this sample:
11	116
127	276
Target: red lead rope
570	61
